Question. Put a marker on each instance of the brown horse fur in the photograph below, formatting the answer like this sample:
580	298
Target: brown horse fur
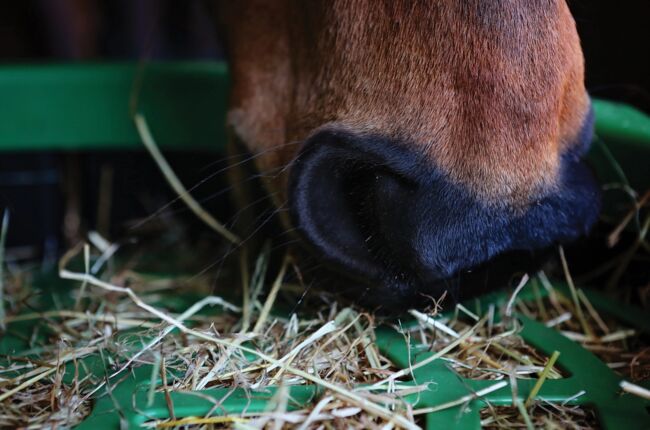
490	91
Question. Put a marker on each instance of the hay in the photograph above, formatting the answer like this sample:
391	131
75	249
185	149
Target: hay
541	416
332	350
328	346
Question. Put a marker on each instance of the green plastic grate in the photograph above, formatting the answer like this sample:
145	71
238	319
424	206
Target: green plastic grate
586	372
127	401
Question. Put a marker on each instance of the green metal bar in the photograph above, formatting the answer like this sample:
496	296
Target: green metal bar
619	153
87	107
621	122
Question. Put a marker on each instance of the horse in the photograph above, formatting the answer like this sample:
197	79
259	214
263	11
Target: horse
414	146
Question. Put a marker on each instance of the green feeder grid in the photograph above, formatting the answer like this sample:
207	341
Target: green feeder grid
72	107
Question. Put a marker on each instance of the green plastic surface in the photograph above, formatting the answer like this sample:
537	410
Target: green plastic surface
621	123
87	108
126	404
586	372
626	133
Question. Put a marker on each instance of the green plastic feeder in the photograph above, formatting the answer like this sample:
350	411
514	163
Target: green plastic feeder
87	108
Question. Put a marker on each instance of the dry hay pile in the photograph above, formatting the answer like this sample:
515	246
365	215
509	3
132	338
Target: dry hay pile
218	343
495	349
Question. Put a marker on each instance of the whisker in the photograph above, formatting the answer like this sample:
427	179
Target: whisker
301	298
283	244
263	223
251	156
209	177
159	212
235	248
235	217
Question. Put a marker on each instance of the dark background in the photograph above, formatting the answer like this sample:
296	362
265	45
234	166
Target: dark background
53	197
615	36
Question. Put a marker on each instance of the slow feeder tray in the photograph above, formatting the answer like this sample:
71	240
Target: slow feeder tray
128	402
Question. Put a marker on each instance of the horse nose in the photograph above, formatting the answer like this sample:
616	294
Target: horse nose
354	201
377	210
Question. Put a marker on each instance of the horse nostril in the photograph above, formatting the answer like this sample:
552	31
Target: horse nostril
350	201
378	212
323	204
383	200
